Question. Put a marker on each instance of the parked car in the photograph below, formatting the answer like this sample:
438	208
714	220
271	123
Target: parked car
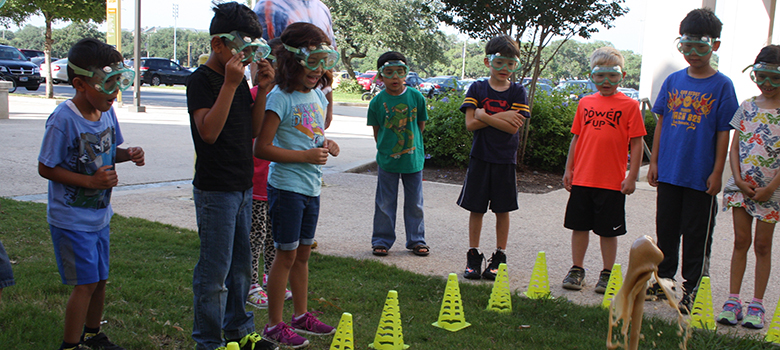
630	92
156	71
366	79
546	88
338	77
413	80
441	84
59	71
465	84
540	80
577	89
17	68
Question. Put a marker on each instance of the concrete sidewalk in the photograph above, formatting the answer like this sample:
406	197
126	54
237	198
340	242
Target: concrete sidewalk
161	191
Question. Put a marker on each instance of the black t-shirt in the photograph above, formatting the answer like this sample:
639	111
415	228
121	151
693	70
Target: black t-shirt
227	164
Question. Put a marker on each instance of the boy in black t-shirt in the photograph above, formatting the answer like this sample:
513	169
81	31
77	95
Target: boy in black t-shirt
495	110
224	121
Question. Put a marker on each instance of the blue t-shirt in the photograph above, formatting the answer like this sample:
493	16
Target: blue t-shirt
81	146
399	142
301	127
490	144
694	111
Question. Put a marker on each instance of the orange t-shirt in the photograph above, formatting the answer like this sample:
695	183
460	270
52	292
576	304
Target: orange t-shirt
605	126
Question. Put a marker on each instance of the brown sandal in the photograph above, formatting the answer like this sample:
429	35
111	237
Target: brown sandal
421	250
379	250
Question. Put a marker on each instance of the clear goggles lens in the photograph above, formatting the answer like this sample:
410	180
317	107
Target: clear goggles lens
498	62
110	78
324	56
698	45
255	49
763	73
601	74
394	69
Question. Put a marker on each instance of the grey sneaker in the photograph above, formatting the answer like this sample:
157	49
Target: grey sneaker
574	279
601	285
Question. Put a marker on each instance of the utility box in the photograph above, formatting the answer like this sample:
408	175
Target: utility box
4	86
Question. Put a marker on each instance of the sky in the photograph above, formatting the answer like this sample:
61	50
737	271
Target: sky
627	33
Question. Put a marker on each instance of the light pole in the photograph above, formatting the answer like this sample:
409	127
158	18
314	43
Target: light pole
175	16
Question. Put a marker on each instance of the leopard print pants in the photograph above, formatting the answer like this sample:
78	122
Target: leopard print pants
261	240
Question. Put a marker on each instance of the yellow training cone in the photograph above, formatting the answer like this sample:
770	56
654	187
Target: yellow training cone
615	282
389	335
773	334
501	296
451	316
539	287
702	316
344	340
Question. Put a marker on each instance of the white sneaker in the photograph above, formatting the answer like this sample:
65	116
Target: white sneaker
287	292
257	297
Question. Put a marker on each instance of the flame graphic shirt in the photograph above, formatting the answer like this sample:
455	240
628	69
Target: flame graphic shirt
694	111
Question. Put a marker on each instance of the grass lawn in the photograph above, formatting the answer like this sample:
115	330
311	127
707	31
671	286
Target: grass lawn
149	298
348	97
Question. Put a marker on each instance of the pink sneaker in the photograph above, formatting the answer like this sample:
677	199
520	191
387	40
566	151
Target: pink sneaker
282	334
308	324
257	297
287	292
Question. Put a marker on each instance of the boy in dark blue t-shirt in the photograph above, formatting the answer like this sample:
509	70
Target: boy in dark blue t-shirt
495	110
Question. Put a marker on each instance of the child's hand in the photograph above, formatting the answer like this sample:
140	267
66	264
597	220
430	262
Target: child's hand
763	194
234	69
714	183
748	190
332	146
514	118
316	155
652	175
264	76
136	155
104	178
567	175
628	186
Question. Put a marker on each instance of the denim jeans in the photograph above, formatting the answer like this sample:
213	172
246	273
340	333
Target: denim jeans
6	274
293	218
385	208
221	278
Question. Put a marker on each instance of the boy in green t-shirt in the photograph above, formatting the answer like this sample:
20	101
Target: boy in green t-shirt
398	116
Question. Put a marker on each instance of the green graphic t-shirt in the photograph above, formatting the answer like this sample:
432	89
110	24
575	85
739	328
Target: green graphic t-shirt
399	141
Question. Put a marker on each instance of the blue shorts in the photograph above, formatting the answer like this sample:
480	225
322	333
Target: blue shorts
293	218
6	273
82	257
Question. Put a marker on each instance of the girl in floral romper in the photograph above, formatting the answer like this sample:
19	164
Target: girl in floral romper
752	191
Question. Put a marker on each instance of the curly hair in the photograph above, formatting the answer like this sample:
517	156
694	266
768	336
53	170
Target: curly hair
288	70
90	53
230	16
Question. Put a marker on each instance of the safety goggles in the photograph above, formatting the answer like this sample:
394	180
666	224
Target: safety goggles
498	62
255	49
602	74
698	45
322	55
762	73
394	69
111	78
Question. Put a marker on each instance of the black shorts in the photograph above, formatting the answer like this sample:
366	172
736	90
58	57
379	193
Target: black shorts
596	209
489	184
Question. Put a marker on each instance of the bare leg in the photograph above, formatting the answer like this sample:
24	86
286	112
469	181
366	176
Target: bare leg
763	250
475	228
579	245
96	303
277	282
743	223
502	230
609	246
299	280
76	311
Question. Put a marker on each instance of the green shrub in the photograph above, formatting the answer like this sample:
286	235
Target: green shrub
550	131
650	126
447	142
350	86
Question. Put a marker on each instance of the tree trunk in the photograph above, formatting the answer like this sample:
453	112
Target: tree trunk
47	50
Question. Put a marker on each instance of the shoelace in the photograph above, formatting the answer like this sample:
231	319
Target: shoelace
732	306
753	310
253	337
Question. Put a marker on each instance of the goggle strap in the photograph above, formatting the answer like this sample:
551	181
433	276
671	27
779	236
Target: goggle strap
80	71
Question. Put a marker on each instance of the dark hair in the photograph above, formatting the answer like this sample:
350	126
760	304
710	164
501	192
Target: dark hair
390	56
232	16
288	69
769	54
701	22
503	45
91	53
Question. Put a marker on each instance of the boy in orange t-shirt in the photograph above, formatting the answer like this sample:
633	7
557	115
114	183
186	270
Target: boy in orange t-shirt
606	124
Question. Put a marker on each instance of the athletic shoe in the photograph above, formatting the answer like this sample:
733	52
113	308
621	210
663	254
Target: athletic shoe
491	270
100	342
257	297
78	347
754	317
474	261
686	303
601	285
655	292
732	312
282	334
287	292
574	279
309	324
254	341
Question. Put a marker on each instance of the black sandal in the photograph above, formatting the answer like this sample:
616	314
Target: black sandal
421	250
379	250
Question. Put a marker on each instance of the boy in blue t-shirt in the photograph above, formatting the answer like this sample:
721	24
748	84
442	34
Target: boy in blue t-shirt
78	155
495	110
694	108
397	115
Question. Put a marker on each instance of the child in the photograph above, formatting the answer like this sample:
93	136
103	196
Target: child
78	156
690	144
495	110
398	117
292	138
605	124
223	122
6	273
754	192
